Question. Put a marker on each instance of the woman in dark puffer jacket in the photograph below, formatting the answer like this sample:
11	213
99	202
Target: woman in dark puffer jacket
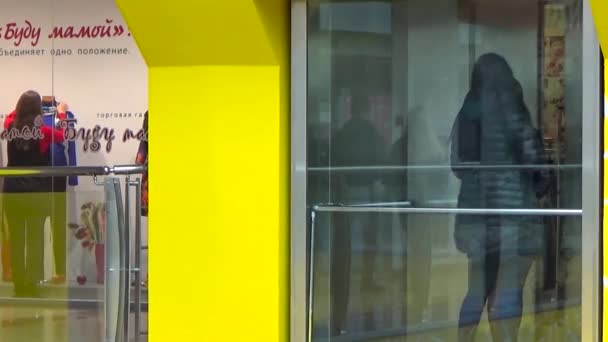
494	128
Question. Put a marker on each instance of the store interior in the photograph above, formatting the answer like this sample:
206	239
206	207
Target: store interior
411	62
104	80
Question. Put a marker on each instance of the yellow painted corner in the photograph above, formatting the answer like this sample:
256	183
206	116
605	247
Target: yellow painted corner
226	247
219	167
600	16
186	32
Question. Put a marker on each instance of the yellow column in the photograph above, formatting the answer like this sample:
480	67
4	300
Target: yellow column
600	16
219	167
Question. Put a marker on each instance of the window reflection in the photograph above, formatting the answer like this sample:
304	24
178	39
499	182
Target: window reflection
494	128
444	104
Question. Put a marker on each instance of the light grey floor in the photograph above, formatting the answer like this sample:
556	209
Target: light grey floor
51	319
27	324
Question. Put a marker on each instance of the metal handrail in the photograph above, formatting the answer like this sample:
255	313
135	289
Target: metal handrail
61	171
119	329
460	166
463	211
406	208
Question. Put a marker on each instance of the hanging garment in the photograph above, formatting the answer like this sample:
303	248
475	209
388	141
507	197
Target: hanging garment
62	153
142	159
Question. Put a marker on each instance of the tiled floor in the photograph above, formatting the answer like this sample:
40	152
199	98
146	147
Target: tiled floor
25	324
63	314
376	310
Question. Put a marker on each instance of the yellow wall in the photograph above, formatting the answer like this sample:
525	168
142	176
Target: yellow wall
219	167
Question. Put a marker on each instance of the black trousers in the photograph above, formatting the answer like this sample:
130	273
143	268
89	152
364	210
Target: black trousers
341	256
26	214
341	250
341	266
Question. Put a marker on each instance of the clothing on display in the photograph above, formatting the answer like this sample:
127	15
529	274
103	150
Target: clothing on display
142	159
62	153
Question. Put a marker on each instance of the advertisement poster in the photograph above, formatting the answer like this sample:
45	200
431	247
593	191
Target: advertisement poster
80	52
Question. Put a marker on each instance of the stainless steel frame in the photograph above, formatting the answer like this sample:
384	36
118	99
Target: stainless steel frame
116	287
591	178
463	166
591	182
71	171
126	243
137	261
298	170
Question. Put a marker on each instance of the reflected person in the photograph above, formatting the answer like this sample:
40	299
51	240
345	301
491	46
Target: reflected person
494	127
357	143
396	184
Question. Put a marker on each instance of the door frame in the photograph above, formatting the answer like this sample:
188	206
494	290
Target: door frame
591	179
299	220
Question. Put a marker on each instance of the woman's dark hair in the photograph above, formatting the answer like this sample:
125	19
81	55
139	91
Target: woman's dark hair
494	93
360	104
494	84
492	73
29	107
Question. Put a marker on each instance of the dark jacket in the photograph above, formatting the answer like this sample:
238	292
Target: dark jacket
495	128
396	181
23	154
32	152
357	143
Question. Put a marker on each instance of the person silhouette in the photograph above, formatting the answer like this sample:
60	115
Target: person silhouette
494	128
356	144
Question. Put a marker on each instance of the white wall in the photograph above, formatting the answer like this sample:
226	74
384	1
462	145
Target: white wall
90	84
